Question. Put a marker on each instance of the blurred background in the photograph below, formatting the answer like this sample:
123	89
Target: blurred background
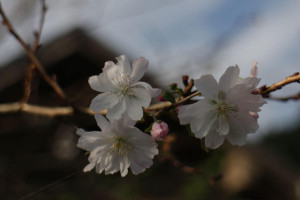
178	38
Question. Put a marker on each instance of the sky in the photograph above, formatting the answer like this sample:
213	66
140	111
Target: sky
181	37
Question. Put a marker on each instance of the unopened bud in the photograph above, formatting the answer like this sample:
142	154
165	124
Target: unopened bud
254	114
160	98
159	130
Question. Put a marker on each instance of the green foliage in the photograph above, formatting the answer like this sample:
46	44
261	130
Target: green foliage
176	89
196	188
173	86
189	130
148	130
207	150
212	164
168	96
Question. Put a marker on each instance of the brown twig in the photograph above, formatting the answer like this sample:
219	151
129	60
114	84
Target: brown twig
38	33
32	57
188	85
188	88
52	185
68	110
58	111
167	157
185	99
168	105
43	110
36	45
265	91
293	97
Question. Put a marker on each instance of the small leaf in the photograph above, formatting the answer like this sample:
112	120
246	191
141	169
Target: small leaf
148	130
173	86
189	130
168	96
207	150
213	102
180	91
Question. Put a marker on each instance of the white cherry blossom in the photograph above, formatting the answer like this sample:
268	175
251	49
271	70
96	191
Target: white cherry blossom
117	147
121	91
226	111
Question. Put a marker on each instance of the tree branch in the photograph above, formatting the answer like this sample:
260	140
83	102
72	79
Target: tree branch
59	111
166	156
36	45
265	91
32	57
43	110
293	97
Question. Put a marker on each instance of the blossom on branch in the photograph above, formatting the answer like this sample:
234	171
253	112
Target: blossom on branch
121	90
117	147
226	111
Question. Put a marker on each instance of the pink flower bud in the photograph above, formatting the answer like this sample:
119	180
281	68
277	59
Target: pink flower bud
177	108
159	130
254	114
254	70
254	92
160	98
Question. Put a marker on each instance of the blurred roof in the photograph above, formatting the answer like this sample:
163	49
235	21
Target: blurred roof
76	42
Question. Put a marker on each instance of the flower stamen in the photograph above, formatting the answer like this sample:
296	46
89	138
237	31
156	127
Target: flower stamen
222	108
125	85
120	146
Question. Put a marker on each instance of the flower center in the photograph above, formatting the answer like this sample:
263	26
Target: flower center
222	108
120	146
125	85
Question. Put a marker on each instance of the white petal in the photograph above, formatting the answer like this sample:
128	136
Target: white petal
101	121
237	134
101	83
114	74
139	162
90	142
104	101
94	157
100	166
254	70
139	67
237	93
249	122
229	78
213	140
201	127
248	102
208	86
146	147
251	82
116	111
154	92
187	113
80	131
126	121
134	111
141	97
222	126
124	64
136	168
124	164
112	164
89	167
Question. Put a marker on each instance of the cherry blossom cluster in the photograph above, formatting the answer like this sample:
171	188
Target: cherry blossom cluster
224	110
